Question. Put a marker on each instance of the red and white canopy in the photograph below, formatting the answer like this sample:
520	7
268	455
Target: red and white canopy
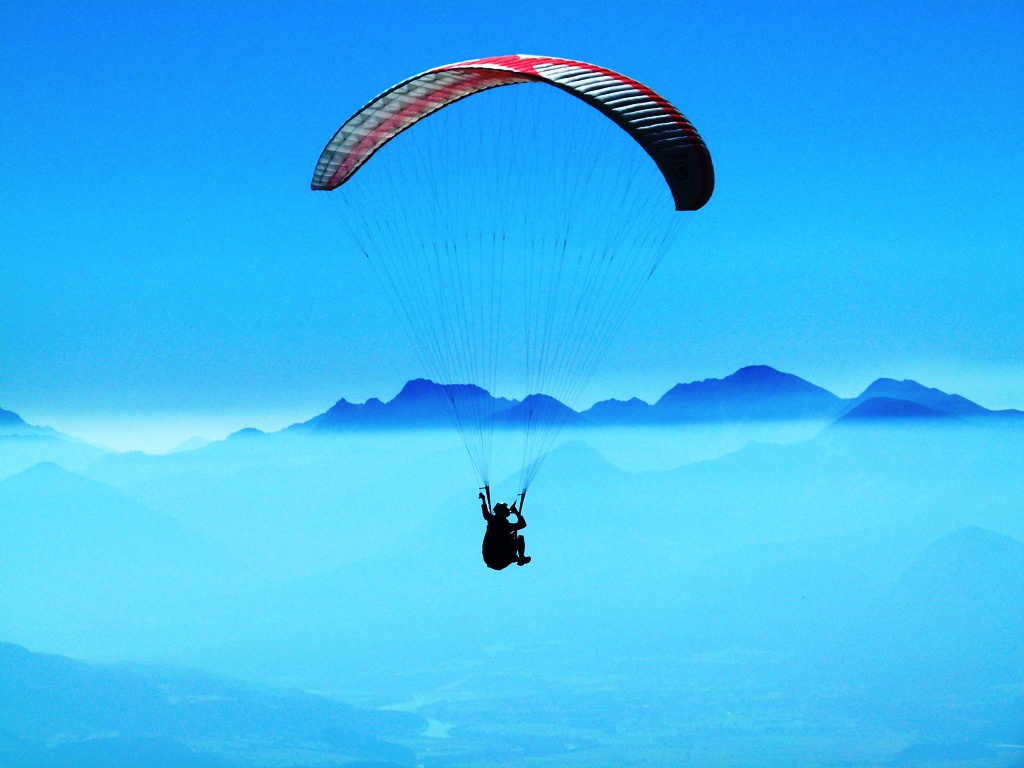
663	132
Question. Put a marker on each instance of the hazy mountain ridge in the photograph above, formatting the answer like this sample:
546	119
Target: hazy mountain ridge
20	452
753	393
972	579
78	546
9	419
23	445
883	409
420	404
59	711
929	397
12	424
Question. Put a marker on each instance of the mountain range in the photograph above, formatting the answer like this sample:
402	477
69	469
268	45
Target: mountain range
756	393
751	394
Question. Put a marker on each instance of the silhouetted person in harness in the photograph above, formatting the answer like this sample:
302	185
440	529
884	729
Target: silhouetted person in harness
502	543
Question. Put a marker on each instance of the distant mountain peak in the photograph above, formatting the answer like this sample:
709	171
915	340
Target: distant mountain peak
537	409
11	419
751	376
910	391
246	433
877	409
971	559
759	373
12	424
417	390
54	477
50	470
754	392
764	376
420	403
192	444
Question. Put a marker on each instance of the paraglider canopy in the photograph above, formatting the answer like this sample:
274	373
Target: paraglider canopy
663	132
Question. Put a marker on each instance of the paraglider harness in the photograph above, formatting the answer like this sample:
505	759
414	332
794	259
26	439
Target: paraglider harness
491	557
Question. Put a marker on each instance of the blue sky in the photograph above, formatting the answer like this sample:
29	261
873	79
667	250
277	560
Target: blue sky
163	259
